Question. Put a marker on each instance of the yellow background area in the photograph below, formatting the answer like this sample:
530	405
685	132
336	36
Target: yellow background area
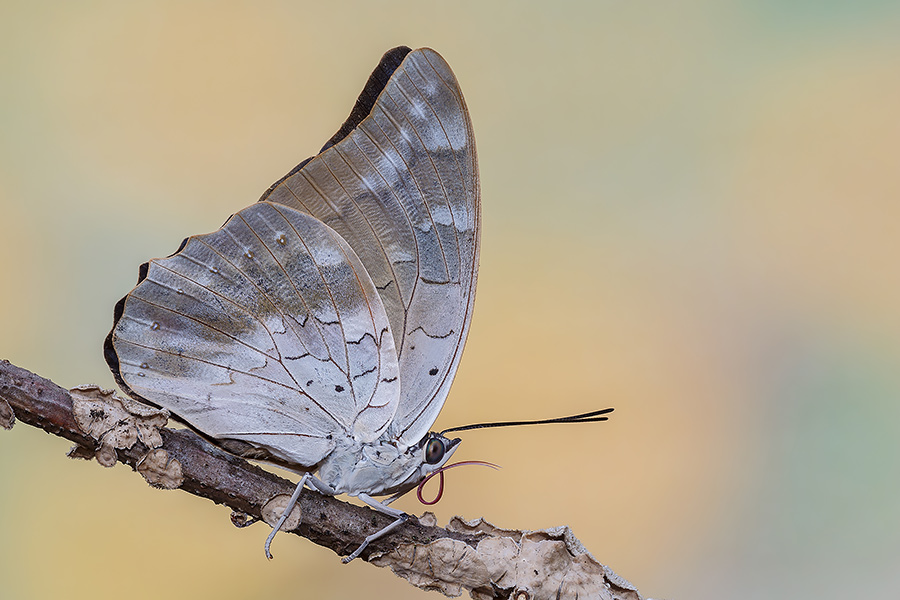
691	213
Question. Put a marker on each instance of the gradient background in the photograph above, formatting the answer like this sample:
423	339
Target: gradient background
690	213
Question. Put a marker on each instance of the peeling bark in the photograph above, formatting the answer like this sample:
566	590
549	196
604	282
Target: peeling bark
474	557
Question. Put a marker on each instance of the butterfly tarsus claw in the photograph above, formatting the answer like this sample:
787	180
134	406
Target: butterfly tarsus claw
401	518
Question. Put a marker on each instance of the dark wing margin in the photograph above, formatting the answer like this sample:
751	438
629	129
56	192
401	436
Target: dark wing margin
376	83
364	103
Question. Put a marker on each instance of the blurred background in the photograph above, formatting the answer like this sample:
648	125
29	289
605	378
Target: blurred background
690	213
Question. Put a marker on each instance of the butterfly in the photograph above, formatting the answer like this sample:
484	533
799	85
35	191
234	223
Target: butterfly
321	327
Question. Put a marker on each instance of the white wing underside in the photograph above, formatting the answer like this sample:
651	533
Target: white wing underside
402	189
339	305
268	331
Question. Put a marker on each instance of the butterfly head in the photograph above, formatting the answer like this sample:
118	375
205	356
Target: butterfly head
436	451
431	453
420	460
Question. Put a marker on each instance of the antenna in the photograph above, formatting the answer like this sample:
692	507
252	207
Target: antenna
588	417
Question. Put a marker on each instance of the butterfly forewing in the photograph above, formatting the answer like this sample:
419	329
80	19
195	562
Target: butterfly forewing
402	189
268	331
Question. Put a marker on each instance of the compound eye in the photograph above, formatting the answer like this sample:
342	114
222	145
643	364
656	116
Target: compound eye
434	451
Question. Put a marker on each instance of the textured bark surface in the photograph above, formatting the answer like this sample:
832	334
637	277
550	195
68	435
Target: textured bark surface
473	557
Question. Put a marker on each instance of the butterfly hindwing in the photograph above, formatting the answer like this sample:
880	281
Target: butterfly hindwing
267	331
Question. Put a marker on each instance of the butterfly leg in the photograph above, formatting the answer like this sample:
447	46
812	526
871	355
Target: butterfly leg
287	511
399	515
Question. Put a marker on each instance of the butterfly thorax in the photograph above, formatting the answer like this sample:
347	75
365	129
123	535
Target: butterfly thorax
380	467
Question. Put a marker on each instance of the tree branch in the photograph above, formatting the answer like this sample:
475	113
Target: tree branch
476	557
